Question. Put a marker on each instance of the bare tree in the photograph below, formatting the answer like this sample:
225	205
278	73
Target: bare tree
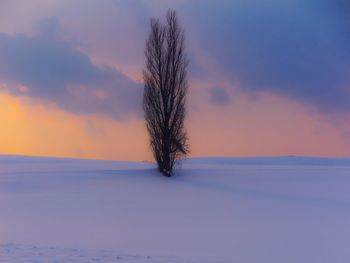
165	89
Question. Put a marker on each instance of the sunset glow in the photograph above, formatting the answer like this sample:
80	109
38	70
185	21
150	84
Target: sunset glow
71	84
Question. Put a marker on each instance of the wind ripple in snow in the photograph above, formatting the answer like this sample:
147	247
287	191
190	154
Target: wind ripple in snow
14	253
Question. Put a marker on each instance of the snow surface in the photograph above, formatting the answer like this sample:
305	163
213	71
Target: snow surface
244	210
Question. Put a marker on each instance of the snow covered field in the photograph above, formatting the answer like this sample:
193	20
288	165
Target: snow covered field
244	210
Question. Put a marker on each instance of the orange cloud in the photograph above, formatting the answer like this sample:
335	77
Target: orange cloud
263	126
34	129
270	125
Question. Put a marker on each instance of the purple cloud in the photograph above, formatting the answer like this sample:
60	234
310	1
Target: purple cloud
296	48
219	96
51	69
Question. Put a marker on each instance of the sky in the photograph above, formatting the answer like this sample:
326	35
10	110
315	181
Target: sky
266	77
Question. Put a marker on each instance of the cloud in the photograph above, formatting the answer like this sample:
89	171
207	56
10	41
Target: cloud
46	67
219	96
297	48
49	27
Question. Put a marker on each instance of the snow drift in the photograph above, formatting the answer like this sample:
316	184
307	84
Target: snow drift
286	209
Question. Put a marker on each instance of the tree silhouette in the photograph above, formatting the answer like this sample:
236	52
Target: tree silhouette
165	89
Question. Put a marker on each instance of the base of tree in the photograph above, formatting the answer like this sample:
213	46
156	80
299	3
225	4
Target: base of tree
166	173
